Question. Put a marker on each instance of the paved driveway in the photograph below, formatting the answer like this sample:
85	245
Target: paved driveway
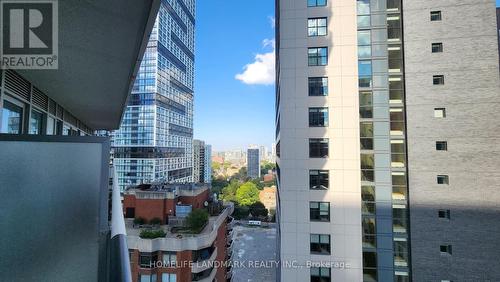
254	250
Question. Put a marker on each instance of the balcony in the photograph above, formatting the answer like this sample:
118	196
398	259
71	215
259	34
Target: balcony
207	275
178	241
206	263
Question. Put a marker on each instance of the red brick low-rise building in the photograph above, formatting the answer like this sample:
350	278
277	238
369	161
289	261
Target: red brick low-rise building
177	256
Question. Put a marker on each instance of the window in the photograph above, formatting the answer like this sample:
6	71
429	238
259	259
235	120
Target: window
441	145
398	158
397	121
316	3
319	211
147	277
365	105
400	252
363	7
365	73
438	79
396	86
370	274
36	122
401	276
318	148
318	86
393	5
369	259
395	59
317	27
443	179
318	117
435	16
399	219
364	21
320	244
66	130
368	225
364	37
369	241
444	214
169	259
168	277
320	274
367	161
368	200
317	56
445	249
12	118
319	179
366	134
393	28
439	112
364	44
147	260
437	47
51	126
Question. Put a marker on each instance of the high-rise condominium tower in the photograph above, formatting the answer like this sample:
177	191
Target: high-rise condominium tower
202	162
386	131
253	163
156	134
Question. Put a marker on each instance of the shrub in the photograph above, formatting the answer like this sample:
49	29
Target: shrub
155	221
139	221
152	234
197	219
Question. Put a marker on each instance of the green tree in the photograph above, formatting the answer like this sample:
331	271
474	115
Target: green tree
218	184
258	209
240	212
266	166
247	194
197	219
229	192
216	166
258	184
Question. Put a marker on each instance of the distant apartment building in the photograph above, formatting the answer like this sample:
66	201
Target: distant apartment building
253	163
208	164
263	153
236	156
156	134
179	255
385	118
202	162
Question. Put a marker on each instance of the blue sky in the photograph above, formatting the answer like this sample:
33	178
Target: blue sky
232	113
228	112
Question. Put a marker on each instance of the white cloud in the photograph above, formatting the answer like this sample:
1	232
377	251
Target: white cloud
272	21
261	71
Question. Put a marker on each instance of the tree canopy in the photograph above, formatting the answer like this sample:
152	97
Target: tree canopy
197	219
247	194
258	209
